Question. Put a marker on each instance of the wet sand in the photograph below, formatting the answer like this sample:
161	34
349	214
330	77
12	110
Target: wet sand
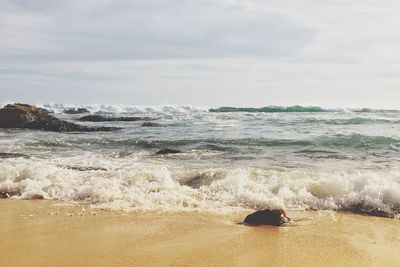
47	233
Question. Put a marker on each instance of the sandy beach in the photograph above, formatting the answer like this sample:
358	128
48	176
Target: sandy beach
48	233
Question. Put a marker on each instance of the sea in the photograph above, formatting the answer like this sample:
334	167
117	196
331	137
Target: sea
231	159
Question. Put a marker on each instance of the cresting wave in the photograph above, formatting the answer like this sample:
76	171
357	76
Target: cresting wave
120	109
140	187
296	109
271	109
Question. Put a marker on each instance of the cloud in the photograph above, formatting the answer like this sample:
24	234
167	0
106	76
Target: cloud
246	52
108	30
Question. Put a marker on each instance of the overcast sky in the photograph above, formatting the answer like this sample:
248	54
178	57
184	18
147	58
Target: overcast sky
201	52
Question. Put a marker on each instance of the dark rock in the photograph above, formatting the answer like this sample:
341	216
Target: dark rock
166	151
30	117
152	124
76	111
12	155
369	210
275	217
83	168
100	118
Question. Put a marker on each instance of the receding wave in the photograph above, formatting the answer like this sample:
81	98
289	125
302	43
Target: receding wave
271	109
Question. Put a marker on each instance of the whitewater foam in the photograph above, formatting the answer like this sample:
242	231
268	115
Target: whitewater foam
147	186
123	109
168	108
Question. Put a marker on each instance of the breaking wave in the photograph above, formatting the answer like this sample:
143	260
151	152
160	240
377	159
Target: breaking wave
121	109
140	186
298	109
131	109
271	109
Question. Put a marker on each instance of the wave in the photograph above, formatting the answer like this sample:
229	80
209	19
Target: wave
354	141
273	109
299	109
370	110
121	109
124	109
351	121
140	186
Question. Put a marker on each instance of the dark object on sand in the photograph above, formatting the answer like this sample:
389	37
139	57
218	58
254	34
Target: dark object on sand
100	118
166	151
76	111
25	116
152	124
13	155
275	217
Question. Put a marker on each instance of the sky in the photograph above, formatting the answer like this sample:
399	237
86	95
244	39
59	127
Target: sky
201	52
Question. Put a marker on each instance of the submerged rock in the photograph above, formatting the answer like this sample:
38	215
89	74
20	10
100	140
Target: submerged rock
100	118
25	116
276	217
76	111
166	151
12	155
152	124
83	168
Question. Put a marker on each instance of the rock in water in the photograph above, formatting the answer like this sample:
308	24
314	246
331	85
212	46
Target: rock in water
25	116
166	151
83	168
275	217
152	124
76	111
99	118
12	155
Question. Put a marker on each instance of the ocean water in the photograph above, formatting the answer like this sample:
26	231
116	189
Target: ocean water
232	159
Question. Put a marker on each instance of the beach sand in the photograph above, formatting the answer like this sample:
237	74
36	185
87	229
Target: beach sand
48	233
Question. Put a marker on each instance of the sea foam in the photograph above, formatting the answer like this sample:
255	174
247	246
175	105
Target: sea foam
149	186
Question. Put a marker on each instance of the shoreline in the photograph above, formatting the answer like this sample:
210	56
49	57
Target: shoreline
48	233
